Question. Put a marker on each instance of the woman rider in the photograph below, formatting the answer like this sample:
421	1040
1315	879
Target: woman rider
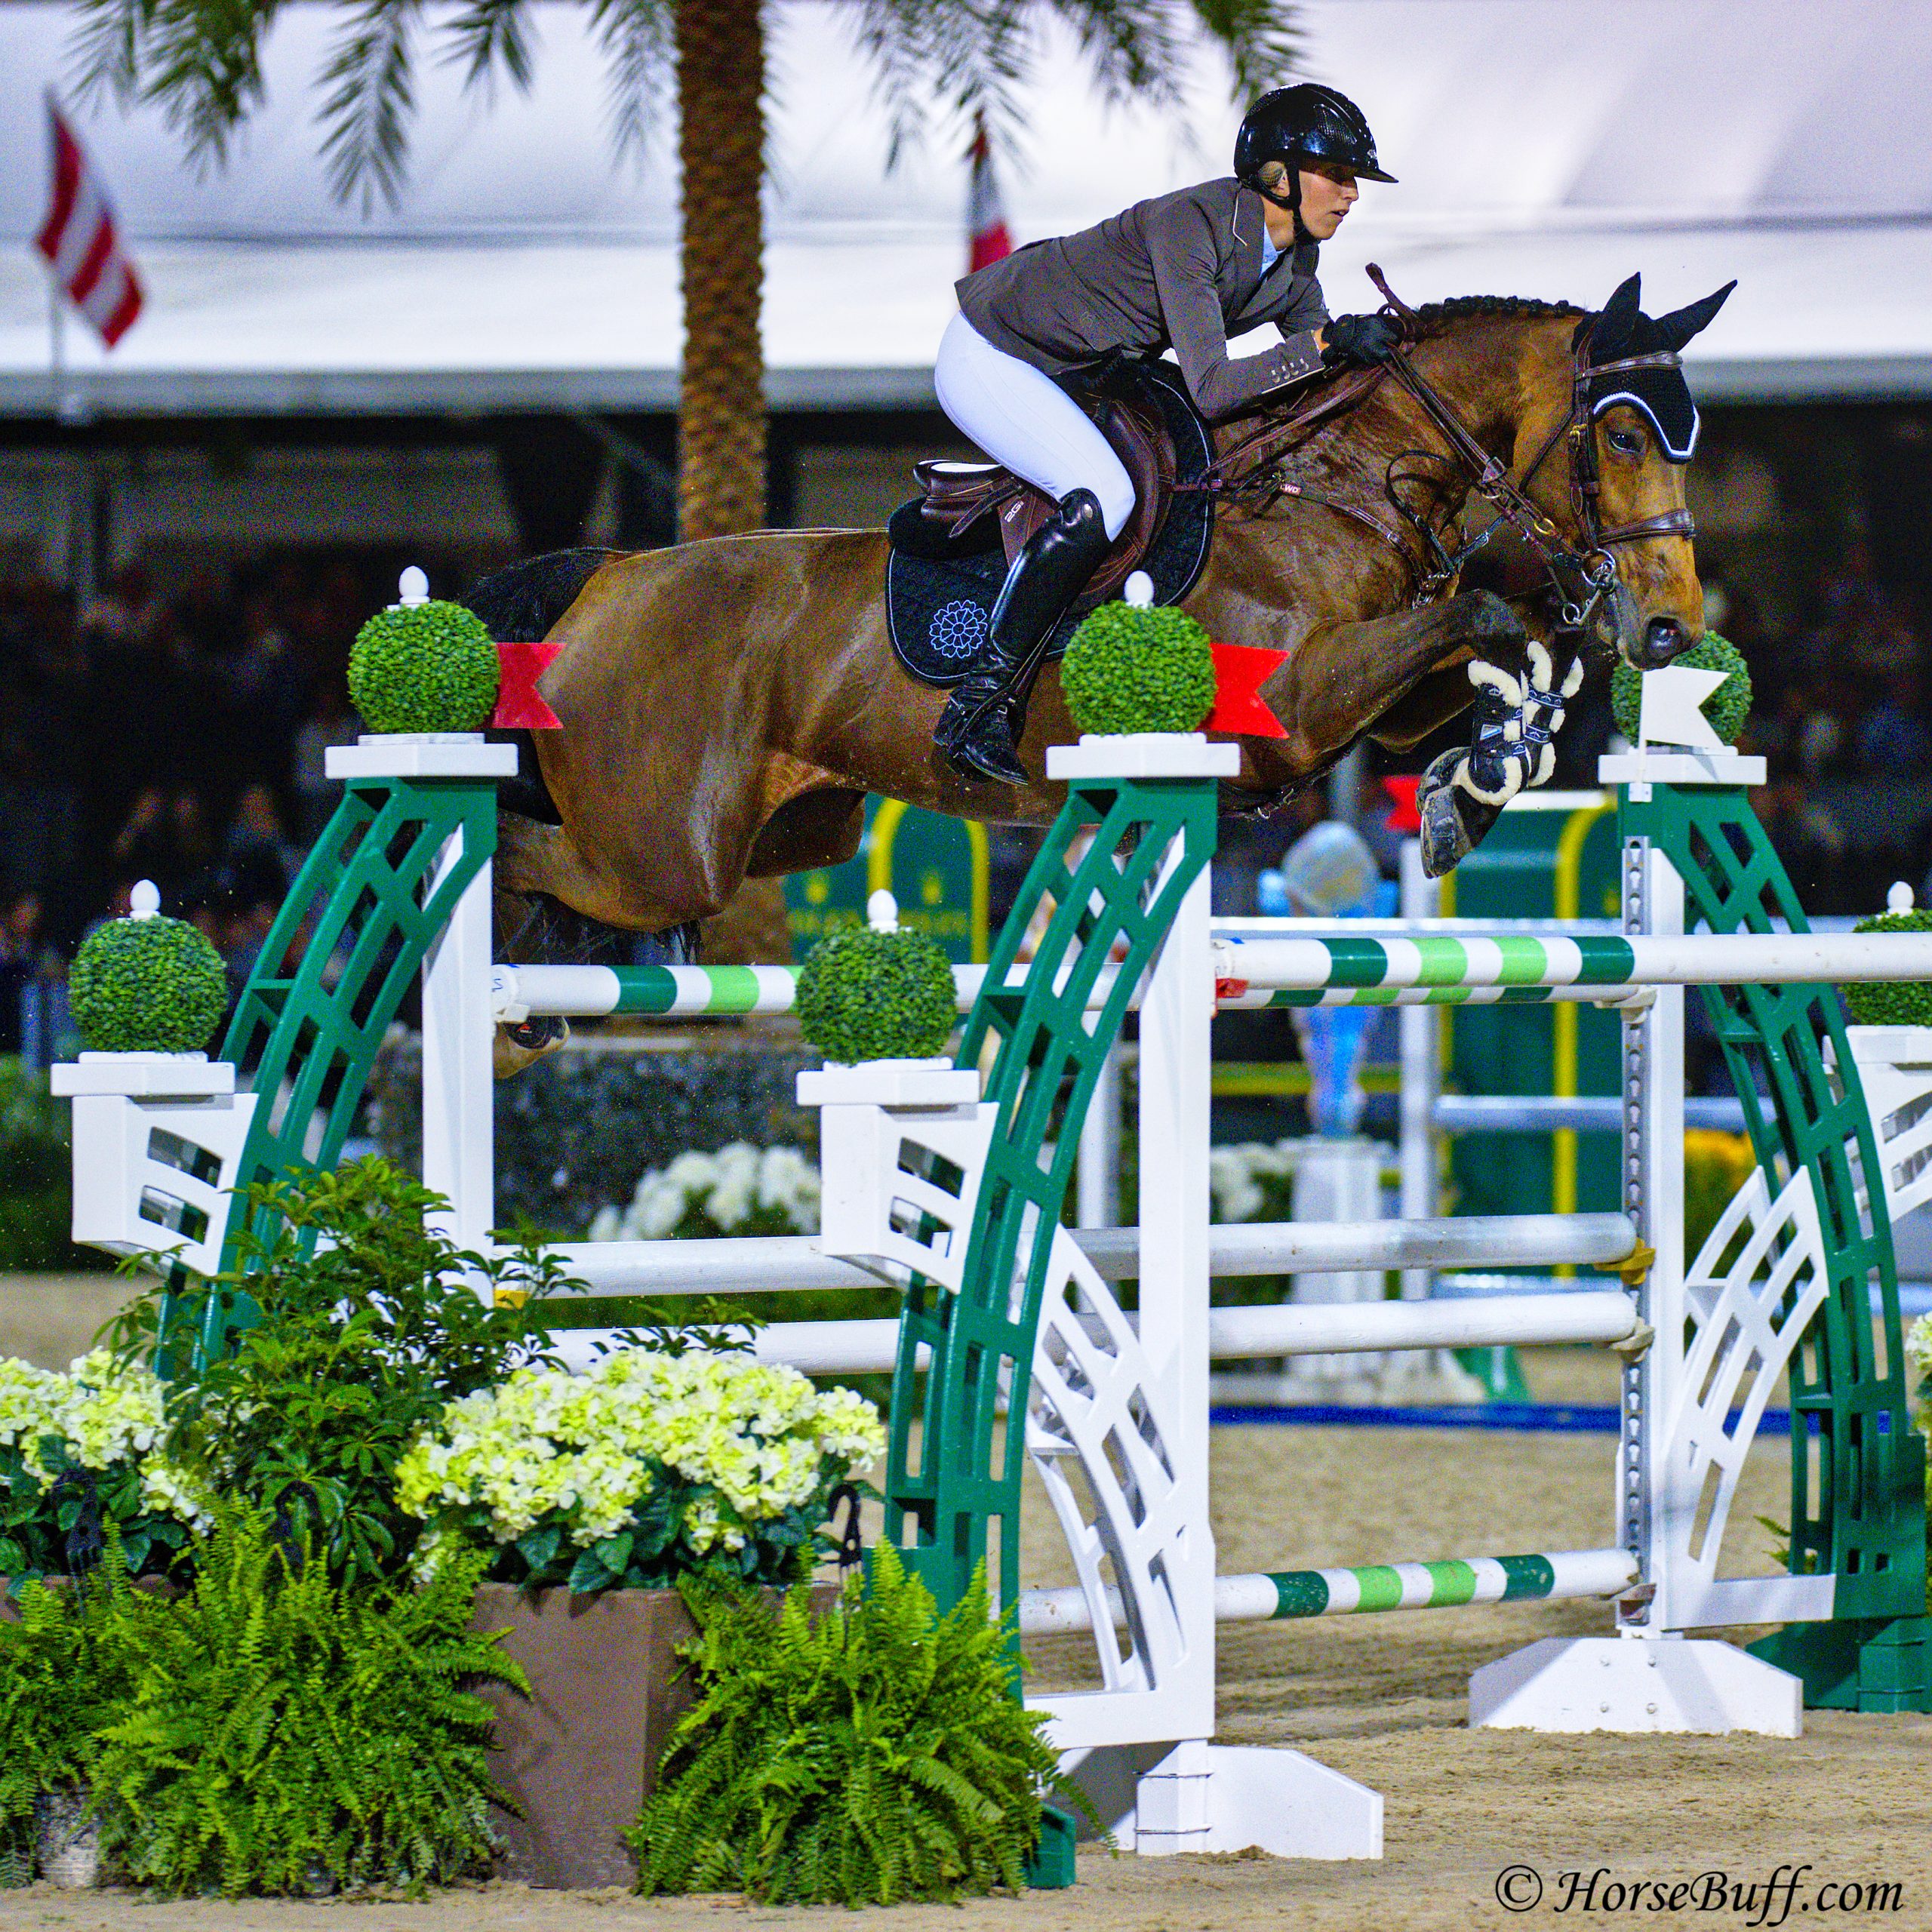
1184	270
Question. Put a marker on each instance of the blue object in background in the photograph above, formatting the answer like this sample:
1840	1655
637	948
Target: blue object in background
1329	873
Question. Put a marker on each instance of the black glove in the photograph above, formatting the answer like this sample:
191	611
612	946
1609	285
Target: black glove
1359	341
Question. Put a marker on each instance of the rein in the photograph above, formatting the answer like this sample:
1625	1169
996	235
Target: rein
1580	574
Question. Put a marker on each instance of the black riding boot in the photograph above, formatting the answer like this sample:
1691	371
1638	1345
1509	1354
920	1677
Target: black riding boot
987	713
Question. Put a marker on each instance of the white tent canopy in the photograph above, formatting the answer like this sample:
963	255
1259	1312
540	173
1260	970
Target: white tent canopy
1545	147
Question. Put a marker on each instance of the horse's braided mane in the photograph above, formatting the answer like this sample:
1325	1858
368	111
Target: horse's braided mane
1435	318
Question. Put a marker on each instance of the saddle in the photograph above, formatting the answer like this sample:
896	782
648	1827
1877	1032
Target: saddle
966	508
951	547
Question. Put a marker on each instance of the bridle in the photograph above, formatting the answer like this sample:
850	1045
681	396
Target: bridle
1581	573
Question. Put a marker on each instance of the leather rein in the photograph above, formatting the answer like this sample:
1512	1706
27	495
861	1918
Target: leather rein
1580	574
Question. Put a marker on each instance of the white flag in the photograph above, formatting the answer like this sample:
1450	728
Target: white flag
1671	711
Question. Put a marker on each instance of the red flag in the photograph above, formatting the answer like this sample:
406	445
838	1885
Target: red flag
987	239
80	242
1240	671
520	705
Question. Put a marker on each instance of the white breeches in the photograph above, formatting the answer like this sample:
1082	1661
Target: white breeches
1021	417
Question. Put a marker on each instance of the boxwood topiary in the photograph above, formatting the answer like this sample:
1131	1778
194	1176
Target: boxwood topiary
151	985
1726	707
424	667
867	994
1135	669
1892	1002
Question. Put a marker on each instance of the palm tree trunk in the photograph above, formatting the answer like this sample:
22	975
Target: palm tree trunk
721	404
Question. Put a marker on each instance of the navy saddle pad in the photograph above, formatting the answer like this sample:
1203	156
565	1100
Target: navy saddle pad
938	607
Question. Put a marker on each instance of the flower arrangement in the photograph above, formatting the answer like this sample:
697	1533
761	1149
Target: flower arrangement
1252	1181
740	1190
430	666
80	1456
147	984
650	1467
1134	668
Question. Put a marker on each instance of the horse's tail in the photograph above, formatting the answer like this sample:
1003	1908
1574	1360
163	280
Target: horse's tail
521	602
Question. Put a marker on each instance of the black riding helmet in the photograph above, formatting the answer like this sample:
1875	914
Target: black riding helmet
1302	124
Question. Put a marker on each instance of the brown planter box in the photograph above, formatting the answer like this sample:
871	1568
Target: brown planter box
607	1686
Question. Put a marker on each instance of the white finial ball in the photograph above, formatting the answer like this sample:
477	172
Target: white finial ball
413	586
1899	899
882	911
1139	590
144	902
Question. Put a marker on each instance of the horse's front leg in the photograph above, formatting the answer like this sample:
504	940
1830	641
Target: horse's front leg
1520	698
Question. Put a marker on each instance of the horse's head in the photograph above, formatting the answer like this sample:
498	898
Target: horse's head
1642	428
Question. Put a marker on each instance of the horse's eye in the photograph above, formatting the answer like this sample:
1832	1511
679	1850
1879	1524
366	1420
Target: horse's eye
1626	442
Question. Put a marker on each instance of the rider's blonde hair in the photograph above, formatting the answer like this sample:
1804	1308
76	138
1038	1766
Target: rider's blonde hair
1272	174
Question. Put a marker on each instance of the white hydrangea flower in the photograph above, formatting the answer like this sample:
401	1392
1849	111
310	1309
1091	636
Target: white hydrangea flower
578	1449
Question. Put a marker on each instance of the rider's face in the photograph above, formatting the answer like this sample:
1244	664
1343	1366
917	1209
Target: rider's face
1327	193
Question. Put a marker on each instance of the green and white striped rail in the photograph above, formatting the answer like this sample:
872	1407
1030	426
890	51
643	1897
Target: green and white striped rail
671	993
1509	967
1271	1596
1432	969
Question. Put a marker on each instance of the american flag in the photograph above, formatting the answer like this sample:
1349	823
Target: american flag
80	240
985	220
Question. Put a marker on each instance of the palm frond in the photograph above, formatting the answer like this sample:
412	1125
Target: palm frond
198	60
371	95
970	55
638	38
488	35
1261	38
1134	48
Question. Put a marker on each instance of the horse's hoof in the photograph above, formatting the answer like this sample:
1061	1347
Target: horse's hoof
522	1044
1453	824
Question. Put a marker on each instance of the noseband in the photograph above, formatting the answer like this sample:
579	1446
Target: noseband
1580	573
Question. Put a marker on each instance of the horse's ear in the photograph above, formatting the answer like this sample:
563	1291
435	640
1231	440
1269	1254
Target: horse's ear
1674	330
1610	336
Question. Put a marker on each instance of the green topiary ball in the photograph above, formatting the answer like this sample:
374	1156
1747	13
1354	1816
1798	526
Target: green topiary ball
1133	668
1892	1002
151	986
1726	707
424	667
867	994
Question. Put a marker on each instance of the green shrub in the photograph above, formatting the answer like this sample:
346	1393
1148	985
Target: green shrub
339	1357
151	985
876	1755
1135	669
424	667
867	994
1892	1002
284	1735
1727	708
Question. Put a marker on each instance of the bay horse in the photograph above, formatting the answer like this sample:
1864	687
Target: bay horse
726	705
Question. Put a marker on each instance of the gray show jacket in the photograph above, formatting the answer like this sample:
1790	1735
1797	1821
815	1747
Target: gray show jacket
1183	269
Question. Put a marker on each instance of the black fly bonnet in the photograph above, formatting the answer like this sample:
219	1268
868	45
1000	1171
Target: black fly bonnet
1621	334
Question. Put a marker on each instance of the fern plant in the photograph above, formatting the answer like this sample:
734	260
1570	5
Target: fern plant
66	1665
284	1734
873	1755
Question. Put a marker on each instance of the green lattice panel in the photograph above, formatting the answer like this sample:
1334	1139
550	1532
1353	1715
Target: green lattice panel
1049	1051
1858	1492
352	933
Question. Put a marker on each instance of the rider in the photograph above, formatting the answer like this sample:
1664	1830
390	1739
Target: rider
1183	270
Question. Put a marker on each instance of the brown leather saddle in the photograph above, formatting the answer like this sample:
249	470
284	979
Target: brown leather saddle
961	504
